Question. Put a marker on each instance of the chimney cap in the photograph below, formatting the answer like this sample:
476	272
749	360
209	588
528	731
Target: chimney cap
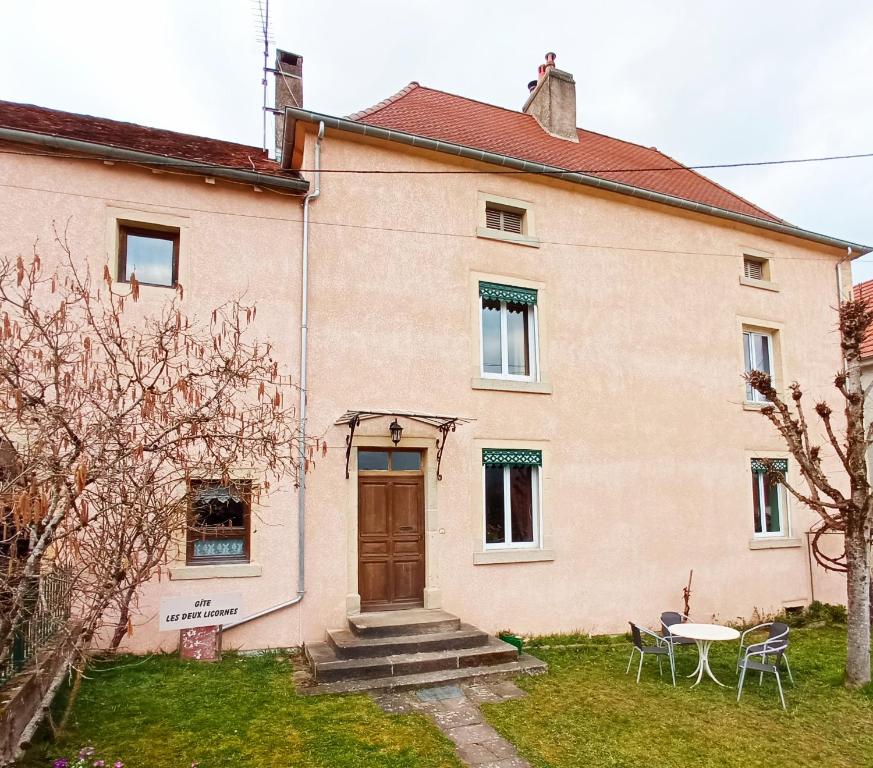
532	84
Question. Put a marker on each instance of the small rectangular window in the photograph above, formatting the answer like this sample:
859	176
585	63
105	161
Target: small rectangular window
509	332
755	269
758	354
151	254
768	498
370	460
219	522
512	493
504	220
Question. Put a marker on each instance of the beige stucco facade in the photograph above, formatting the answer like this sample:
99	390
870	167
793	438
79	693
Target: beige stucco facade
639	409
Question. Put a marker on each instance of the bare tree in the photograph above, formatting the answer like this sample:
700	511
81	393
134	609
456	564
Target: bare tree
843	502
108	409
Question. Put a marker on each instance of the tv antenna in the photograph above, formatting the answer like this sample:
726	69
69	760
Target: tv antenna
261	9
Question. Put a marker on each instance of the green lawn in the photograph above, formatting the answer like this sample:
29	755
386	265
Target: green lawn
163	713
586	712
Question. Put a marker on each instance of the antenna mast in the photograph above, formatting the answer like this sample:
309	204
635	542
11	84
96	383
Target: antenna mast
263	20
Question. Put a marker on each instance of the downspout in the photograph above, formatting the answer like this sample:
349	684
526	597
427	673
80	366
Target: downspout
304	349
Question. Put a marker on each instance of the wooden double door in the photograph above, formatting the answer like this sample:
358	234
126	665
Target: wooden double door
390	540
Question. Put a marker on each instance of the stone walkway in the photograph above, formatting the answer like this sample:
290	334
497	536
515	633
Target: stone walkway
455	710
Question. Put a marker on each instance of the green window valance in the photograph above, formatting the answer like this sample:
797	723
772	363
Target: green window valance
779	465
514	457
498	292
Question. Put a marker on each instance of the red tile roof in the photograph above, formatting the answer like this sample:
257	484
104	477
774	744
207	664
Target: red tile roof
446	117
113	133
864	292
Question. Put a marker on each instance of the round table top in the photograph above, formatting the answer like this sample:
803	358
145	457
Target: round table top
704	631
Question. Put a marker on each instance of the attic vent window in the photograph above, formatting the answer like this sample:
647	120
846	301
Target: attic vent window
754	269
504	220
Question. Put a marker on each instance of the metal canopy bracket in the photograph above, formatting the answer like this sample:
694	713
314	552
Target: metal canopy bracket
444	424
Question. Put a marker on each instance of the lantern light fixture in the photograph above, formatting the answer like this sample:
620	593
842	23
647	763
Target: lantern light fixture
396	431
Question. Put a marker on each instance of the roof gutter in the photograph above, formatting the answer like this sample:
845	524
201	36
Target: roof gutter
459	150
149	158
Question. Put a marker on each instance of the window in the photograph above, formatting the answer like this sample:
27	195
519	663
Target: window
768	498
512	497
151	254
509	332
375	460
758	354
504	220
755	269
219	522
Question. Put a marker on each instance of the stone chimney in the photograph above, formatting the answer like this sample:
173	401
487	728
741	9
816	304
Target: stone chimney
552	100
289	89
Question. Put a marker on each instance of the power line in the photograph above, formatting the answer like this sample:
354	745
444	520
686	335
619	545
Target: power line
498	171
410	231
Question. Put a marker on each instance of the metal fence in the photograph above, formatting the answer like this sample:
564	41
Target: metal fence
46	612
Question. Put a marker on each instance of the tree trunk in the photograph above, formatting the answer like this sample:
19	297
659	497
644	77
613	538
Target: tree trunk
858	589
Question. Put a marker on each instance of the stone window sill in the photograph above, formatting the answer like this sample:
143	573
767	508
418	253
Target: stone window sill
766	285
777	542
496	556
507	237
511	385
229	571
753	406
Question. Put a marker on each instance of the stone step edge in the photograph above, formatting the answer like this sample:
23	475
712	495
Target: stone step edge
444	622
324	661
525	665
355	646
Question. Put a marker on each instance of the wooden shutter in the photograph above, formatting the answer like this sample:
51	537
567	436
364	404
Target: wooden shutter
505	221
754	269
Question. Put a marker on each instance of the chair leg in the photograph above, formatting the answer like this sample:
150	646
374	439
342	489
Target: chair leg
660	668
640	670
630	660
740	686
673	667
788	668
781	695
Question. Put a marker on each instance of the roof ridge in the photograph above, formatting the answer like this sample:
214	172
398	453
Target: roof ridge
385	102
260	151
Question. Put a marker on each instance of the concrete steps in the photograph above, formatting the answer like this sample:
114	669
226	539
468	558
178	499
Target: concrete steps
408	649
349	645
524	665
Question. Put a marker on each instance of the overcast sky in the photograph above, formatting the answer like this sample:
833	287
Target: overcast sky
705	82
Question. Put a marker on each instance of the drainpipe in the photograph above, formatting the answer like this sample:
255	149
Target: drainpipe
304	349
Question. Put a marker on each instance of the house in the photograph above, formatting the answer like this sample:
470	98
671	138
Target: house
526	346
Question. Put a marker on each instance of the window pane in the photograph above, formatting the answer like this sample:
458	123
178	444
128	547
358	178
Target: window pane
495	525
772	512
491	362
517	339
219	506
406	461
219	548
151	258
521	500
756	500
762	352
372	459
747	354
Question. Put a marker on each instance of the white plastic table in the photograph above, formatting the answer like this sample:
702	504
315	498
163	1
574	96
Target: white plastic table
704	635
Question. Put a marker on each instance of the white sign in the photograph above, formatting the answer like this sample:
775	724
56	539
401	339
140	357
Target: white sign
199	611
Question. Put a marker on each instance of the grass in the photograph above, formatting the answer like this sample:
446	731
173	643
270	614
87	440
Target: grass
164	713
586	712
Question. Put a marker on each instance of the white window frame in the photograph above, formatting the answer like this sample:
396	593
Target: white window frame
532	345
782	496
757	397
536	506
